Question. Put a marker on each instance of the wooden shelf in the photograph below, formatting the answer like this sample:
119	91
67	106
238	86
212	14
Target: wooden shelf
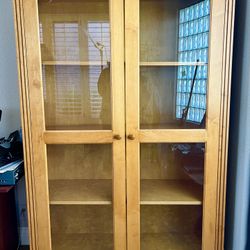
96	63
101	241
170	192
170	241
99	192
80	192
88	127
163	64
73	63
171	125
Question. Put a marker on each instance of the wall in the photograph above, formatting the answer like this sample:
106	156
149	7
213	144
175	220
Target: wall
237	221
9	96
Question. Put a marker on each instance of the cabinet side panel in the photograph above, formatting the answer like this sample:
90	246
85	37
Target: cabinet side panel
216	131
224	126
25	123
28	53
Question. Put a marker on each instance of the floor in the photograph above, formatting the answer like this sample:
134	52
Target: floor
24	248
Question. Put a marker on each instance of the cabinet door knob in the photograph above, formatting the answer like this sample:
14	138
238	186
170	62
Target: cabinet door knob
117	137
131	137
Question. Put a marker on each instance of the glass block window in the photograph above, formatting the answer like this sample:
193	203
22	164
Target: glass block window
193	41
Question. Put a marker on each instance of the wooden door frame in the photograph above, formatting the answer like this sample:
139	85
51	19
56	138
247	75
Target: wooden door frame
35	136
215	135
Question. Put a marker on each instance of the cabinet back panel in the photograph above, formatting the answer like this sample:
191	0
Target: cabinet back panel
171	227
157	95
82	227
158	30
81	219
171	219
164	161
79	161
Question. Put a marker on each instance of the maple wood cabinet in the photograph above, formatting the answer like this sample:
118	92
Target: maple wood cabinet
125	109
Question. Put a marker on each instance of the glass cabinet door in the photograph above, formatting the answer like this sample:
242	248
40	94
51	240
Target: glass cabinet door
85	138
170	83
76	55
174	39
171	195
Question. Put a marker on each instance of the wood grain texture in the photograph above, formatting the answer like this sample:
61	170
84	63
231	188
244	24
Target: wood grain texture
132	122
172	135
77	137
224	125
32	110
218	63
25	119
118	122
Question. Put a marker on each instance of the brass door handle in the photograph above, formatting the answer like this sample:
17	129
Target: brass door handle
131	137
117	137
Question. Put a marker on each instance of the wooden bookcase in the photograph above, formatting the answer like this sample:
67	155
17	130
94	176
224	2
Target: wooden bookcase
125	107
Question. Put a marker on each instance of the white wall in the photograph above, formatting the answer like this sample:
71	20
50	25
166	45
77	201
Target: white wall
9	97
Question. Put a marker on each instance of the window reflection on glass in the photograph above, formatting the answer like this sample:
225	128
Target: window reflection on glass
67	78
193	47
41	33
66	44
76	87
68	89
174	63
99	50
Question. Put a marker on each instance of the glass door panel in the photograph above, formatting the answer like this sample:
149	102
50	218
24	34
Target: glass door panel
76	227
171	195
80	196
75	53
85	139
165	94
174	43
171	227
